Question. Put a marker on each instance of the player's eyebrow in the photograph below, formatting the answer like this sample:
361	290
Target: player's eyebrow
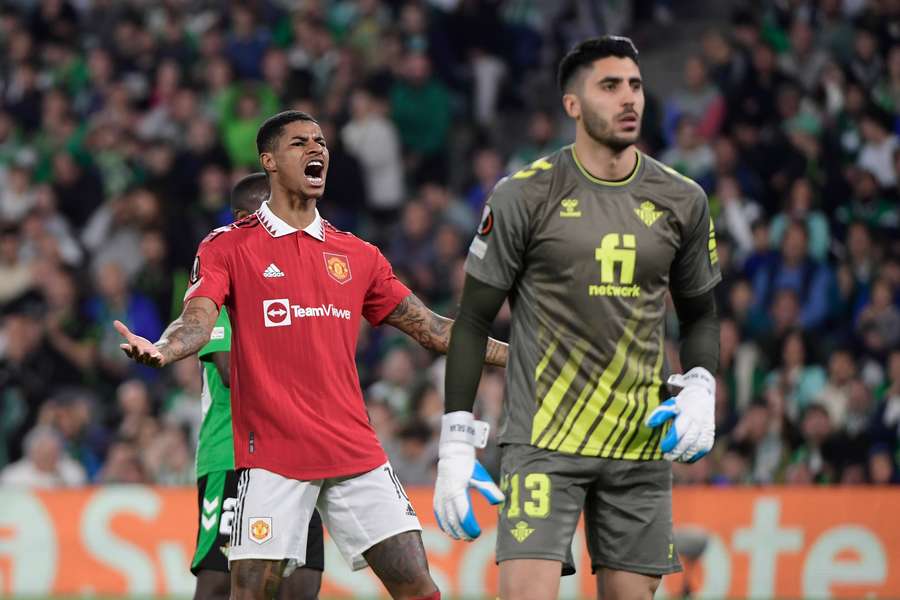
305	138
617	80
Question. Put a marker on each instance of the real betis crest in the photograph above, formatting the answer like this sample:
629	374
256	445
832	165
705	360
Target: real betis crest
648	213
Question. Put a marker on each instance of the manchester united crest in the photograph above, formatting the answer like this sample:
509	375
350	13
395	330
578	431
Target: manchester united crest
260	529
338	267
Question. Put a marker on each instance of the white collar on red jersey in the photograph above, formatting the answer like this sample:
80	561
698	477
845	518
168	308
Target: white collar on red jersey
276	226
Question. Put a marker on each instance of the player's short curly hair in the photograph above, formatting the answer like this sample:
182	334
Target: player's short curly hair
271	129
251	191
585	53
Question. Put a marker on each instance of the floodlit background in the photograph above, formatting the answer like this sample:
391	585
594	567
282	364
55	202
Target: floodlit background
123	124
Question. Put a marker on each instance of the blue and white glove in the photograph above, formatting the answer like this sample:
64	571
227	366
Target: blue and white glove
693	431
457	471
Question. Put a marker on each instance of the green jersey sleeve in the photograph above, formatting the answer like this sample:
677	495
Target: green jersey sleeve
695	269
497	253
219	339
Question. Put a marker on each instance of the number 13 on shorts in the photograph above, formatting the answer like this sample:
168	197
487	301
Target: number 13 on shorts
528	493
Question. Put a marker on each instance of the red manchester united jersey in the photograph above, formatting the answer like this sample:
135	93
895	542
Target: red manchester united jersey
295	299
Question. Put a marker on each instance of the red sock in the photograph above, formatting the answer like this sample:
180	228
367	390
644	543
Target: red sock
435	596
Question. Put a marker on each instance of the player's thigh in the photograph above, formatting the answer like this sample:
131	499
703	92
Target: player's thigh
529	579
212	585
256	579
613	584
363	510
216	497
272	516
545	493
628	518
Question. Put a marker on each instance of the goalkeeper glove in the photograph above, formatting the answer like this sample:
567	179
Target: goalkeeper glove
693	409
457	471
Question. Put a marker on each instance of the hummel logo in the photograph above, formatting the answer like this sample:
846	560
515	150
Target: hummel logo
272	271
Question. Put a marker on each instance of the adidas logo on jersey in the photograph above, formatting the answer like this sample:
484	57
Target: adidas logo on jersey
410	511
272	271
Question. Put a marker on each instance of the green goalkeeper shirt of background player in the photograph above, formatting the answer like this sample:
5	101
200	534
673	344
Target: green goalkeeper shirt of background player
215	448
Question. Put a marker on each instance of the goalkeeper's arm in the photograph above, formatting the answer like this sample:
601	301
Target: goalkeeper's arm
699	326
479	305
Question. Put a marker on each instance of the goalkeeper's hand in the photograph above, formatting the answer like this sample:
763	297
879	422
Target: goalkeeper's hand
457	471
693	409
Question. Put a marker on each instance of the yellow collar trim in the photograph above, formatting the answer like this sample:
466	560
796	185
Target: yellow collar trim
626	181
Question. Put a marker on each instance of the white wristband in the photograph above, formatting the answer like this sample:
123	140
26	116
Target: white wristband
461	426
698	376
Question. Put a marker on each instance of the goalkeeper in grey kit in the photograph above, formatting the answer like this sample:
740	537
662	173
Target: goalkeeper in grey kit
585	244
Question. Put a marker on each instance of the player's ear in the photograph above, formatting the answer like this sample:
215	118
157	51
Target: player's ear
572	105
267	160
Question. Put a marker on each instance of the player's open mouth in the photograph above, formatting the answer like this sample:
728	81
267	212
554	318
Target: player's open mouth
313	172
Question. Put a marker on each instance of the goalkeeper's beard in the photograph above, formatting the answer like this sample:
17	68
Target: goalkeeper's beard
600	130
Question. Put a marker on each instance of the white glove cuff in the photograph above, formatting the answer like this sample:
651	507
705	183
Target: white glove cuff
461	426
696	377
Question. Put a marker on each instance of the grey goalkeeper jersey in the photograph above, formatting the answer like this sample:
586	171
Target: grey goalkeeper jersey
587	264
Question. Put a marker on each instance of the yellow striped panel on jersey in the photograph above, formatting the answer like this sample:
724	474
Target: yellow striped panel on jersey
617	420
546	412
574	439
622	399
638	445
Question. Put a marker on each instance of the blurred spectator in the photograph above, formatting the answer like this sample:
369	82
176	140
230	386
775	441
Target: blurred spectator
690	155
806	59
113	301
699	99
487	167
877	153
122	465
45	465
795	379
372	138
835	395
420	106
878	325
246	43
416	455
796	270
543	139
814	460
397	376
799	208
737	215
15	273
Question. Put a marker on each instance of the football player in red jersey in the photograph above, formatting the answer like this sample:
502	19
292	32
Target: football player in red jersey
296	289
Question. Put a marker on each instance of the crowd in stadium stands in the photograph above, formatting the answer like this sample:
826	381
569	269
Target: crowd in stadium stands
123	125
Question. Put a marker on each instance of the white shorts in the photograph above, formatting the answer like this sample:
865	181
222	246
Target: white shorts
273	512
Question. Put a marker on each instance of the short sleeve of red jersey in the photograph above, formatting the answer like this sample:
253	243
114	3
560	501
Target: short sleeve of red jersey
210	277
385	291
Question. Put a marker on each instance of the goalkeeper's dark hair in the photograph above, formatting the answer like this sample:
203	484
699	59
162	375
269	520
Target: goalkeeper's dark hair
271	129
250	192
584	54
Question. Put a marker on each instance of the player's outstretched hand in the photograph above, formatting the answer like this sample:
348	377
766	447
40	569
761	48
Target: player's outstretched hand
139	349
458	471
693	430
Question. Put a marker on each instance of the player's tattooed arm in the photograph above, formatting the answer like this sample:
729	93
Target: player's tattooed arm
432	330
183	337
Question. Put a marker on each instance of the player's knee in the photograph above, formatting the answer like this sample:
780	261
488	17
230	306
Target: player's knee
621	585
302	584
